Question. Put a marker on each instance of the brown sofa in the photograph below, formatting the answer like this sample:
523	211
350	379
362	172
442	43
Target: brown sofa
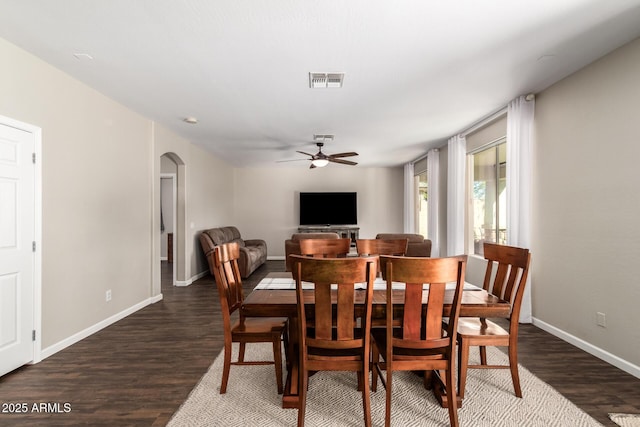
418	245
253	253
292	246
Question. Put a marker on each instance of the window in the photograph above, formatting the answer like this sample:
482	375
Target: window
421	203
420	196
489	206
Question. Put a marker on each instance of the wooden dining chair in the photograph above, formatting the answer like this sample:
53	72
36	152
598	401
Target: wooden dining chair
325	248
508	283
245	329
329	337
382	246
396	247
421	342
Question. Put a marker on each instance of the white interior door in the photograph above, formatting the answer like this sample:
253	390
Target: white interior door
17	258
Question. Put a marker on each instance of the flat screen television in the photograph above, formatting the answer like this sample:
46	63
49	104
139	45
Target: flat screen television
328	208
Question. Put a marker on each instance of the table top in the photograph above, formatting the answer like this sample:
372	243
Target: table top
274	296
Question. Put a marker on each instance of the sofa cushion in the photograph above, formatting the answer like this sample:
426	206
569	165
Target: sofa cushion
255	256
240	242
224	235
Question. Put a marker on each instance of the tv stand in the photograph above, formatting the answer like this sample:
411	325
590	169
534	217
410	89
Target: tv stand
345	231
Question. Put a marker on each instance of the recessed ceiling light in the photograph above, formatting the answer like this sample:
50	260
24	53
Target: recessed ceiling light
190	120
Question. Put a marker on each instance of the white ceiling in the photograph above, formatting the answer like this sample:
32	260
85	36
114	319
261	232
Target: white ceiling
416	72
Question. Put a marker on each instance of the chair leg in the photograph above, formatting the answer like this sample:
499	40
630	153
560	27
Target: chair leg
387	404
241	352
483	355
463	363
375	358
366	397
226	368
302	396
451	396
286	345
513	366
277	360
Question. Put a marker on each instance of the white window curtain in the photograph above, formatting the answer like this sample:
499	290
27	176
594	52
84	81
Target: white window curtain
433	174
455	194
520	114
409	202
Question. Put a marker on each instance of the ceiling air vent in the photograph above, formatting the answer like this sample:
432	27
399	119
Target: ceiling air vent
325	80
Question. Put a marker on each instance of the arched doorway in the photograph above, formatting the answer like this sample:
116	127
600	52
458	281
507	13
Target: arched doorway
170	213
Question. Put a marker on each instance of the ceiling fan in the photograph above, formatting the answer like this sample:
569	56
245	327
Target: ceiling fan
320	159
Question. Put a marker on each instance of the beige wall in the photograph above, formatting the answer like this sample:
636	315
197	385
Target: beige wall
210	201
266	201
95	230
586	243
101	224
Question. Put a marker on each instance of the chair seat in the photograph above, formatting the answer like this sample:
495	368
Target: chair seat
259	325
474	327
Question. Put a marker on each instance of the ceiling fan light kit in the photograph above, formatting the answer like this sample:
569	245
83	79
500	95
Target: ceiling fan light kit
319	163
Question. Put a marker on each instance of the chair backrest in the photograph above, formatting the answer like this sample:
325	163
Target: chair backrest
228	281
418	245
396	247
382	246
510	278
334	319
325	248
422	329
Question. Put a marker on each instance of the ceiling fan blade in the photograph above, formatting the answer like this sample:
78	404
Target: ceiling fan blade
349	154
344	162
306	154
292	160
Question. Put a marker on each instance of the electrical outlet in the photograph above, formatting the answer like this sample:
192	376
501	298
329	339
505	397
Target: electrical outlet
601	319
107	296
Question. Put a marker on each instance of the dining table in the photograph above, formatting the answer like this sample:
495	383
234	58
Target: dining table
275	296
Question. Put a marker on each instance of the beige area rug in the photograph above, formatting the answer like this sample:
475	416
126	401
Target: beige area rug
251	400
626	420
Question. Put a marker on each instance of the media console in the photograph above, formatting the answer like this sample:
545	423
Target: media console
345	231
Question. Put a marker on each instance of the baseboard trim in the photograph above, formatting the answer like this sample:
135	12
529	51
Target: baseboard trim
199	275
276	258
61	345
193	279
612	359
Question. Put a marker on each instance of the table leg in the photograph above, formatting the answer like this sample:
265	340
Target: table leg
290	397
440	391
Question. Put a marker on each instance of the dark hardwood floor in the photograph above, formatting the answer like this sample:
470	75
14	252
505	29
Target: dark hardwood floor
139	370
